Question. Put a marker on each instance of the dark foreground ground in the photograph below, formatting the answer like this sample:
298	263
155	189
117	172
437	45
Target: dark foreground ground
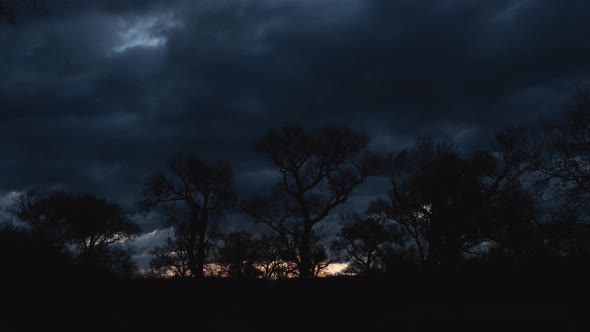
433	303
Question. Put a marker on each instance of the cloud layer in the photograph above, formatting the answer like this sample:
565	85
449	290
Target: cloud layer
94	95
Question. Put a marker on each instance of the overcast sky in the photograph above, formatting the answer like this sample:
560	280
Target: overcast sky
95	95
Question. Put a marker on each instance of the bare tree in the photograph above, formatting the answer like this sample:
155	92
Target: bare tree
280	213
205	190
438	197
93	228
169	260
319	170
44	216
511	200
236	257
562	160
271	258
449	204
561	167
367	241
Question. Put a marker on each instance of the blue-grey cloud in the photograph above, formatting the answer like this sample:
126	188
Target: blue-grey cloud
94	95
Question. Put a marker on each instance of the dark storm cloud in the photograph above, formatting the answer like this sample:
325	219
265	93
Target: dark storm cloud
406	68
96	94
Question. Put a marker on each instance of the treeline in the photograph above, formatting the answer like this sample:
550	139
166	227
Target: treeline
521	205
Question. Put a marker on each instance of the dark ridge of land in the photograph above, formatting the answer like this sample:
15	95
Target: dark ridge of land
340	303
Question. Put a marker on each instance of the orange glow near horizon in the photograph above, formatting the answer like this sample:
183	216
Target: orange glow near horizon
213	270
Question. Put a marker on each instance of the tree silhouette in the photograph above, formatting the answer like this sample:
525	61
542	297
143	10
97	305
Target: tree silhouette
237	256
511	200
361	240
44	215
561	167
319	170
205	190
169	260
92	228
449	205
279	212
562	159
438	197
369	242
26	257
273	259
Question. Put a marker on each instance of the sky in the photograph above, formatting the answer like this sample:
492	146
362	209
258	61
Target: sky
96	95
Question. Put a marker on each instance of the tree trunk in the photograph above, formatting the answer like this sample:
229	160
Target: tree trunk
201	248
196	241
420	252
305	264
190	252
